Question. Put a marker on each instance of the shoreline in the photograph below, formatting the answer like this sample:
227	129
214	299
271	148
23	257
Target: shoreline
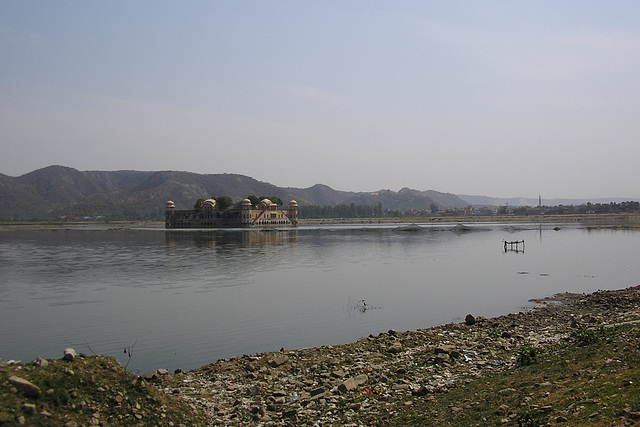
616	220
621	219
393	378
397	368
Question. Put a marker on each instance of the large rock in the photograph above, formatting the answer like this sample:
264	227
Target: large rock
396	347
278	360
361	379
69	354
348	385
25	386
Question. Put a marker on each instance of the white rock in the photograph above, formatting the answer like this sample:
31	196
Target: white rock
69	354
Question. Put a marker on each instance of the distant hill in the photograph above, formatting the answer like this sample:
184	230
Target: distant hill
58	191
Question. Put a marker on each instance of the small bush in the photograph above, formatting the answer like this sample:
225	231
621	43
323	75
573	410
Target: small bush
587	336
530	418
527	356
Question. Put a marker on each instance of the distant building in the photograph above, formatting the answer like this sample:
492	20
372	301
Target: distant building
266	214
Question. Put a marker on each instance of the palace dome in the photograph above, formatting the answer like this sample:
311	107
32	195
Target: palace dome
208	205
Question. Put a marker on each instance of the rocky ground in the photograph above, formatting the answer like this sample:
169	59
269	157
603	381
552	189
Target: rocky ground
393	378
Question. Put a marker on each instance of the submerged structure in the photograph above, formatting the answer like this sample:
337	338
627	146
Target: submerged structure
266	214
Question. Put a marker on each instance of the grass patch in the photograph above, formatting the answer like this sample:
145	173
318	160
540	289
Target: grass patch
592	380
88	390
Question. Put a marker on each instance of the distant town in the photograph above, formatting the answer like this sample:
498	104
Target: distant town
360	211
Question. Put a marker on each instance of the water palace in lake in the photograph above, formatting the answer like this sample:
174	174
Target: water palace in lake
266	214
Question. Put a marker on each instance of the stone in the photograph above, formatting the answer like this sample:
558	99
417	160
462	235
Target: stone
400	387
470	320
441	358
25	386
503	410
446	349
396	347
289	413
69	354
29	408
338	374
348	385
361	379
257	409
316	391
279	360
422	391
41	363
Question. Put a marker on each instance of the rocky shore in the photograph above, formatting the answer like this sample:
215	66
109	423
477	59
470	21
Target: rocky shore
371	381
378	380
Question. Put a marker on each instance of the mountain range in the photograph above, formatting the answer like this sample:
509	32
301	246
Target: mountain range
57	192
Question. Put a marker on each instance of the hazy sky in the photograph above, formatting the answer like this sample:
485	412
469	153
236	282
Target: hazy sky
489	98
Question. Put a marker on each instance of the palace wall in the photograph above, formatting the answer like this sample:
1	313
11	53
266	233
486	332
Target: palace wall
264	215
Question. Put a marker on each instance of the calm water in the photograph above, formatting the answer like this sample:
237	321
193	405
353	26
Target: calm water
182	299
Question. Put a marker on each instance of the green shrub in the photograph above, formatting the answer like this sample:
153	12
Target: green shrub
527	356
587	336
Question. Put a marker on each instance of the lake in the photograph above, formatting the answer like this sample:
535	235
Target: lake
181	299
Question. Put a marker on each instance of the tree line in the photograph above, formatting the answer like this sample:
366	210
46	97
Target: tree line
345	211
226	202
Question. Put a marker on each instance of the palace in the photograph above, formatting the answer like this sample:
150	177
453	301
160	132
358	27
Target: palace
266	214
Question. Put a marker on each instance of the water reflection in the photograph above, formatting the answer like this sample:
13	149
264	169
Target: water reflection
187	298
220	239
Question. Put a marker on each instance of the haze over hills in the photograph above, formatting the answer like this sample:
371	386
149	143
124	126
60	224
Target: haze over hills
523	201
62	192
58	191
